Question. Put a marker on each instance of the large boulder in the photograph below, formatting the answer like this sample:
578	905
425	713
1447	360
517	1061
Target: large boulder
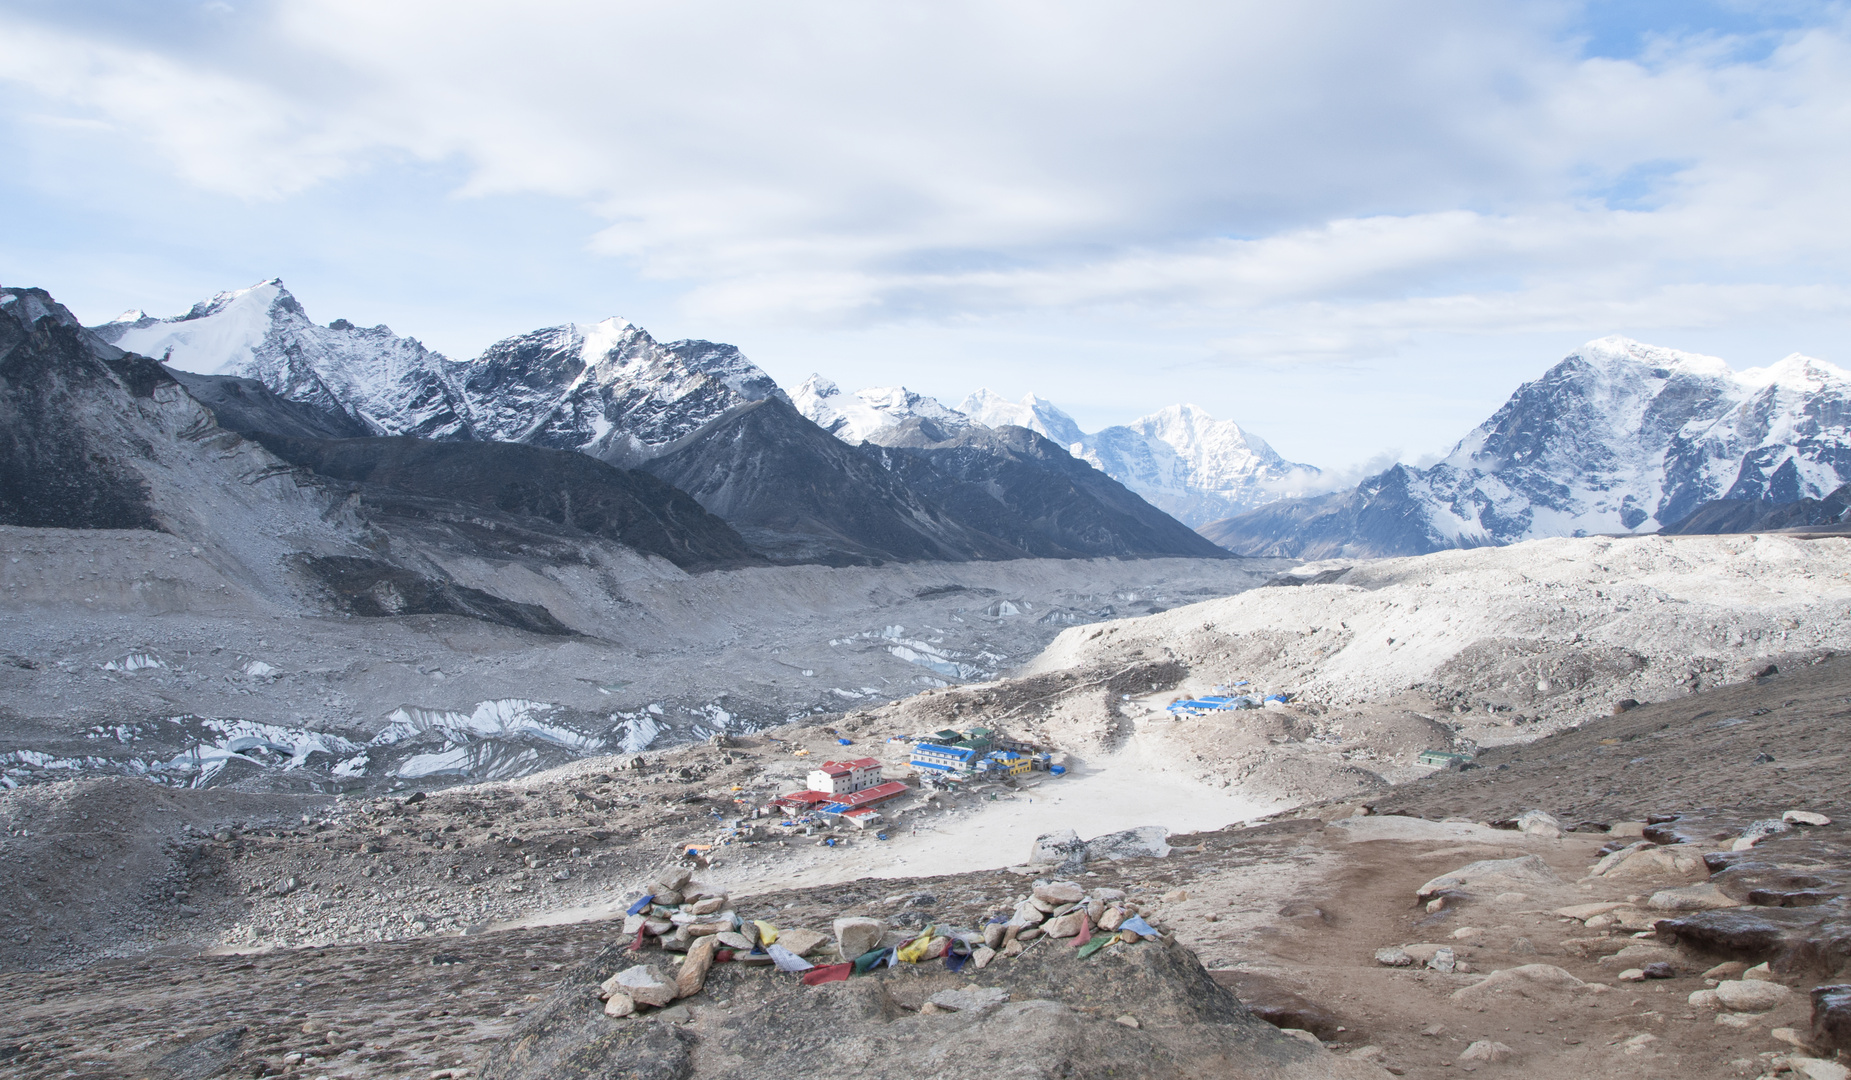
1488	877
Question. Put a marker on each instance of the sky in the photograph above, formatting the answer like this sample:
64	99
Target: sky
1354	227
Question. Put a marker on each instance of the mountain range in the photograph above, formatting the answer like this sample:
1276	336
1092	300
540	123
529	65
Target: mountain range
1180	459
696	414
1619	437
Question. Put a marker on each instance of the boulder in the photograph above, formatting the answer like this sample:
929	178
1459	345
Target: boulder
645	984
859	935
1646	859
1743	995
1539	823
1492	876
1805	817
1831	1017
802	942
1702	896
1544	983
1060	892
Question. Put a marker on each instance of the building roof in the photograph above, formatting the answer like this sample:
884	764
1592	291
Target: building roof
960	752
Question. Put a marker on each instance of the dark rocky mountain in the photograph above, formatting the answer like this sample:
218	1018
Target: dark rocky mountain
799	494
1765	515
249	407
1387	514
529	491
1018	486
1617	438
67	421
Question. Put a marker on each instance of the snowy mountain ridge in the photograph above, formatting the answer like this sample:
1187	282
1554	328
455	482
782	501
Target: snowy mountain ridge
1180	459
608	389
391	384
1618	437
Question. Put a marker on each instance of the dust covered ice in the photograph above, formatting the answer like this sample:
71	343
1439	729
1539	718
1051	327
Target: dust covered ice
128	652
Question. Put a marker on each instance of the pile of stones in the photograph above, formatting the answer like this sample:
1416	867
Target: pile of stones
680	916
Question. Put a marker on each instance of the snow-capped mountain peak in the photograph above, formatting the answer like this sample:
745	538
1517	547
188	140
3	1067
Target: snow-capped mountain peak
1617	437
865	414
392	385
1037	414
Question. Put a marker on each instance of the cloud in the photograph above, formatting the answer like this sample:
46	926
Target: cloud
1303	181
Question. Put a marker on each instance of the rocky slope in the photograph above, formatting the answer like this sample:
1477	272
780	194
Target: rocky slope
1016	485
801	495
1619	437
1763	515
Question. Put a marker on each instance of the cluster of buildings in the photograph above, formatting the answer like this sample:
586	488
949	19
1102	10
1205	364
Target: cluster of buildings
979	753
850	790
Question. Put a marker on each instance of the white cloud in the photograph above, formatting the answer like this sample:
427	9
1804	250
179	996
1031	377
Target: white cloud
1314	181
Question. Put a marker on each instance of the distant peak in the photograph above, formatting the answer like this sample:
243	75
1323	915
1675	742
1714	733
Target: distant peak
129	316
818	386
1614	349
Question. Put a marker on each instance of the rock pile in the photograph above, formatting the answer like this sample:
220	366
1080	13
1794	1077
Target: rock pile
678	915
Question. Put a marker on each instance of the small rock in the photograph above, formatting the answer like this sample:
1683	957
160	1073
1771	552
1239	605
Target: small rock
1443	961
1704	999
858	935
693	973
1435	1031
1467	933
1128	1021
1743	996
1625	829
668	898
1112	918
981	956
970	999
1631	975
679	1014
1660	970
1584	912
710	905
1175	896
930	1008
673	878
1436	905
1393	957
1060	892
1129	937
1301	1035
1804	817
1486	1050
992	935
1759	973
734	940
1791	1037
1728	969
619	1004
1065	926
1638	1044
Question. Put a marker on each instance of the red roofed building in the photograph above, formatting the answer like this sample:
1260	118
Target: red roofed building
845	777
